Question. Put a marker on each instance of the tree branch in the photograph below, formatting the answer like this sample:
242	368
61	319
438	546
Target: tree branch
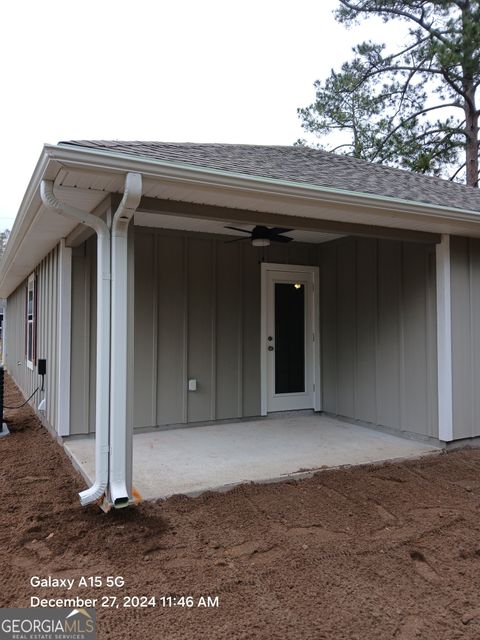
454	175
412	46
449	131
398	12
414	115
340	147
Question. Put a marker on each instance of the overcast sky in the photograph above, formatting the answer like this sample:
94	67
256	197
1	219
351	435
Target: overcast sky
181	70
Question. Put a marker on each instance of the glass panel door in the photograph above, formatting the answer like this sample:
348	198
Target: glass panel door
289	337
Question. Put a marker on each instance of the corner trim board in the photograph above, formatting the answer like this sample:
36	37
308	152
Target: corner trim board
444	340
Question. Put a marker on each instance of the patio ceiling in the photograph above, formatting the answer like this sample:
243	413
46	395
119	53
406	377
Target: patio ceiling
202	225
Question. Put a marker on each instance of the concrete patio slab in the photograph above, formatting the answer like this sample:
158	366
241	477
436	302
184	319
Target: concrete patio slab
215	457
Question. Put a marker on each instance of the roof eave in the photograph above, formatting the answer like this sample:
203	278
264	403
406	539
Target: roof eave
53	157
154	168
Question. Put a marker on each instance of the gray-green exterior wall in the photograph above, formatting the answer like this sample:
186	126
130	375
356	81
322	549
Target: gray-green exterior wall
378	333
197	315
47	323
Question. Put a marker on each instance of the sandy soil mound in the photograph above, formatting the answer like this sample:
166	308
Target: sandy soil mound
388	551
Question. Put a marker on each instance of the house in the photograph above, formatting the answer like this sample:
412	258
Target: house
169	284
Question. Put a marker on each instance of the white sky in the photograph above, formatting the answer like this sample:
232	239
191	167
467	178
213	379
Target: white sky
176	70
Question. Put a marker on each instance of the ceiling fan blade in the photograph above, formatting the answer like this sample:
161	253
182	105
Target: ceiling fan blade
277	230
237	229
235	240
280	239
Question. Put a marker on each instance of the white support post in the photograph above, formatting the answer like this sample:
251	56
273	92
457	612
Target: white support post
64	338
444	341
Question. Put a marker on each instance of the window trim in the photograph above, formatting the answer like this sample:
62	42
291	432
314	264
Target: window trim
31	286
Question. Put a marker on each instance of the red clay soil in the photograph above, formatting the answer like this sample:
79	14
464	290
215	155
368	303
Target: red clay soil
388	551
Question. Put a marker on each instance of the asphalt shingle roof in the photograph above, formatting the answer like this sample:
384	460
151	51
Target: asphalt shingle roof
302	165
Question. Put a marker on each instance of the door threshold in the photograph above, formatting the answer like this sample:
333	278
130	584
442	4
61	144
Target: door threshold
290	413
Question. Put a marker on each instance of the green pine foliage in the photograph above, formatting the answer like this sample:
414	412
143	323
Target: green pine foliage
414	108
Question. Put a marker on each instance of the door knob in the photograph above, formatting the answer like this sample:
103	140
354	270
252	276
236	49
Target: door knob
269	338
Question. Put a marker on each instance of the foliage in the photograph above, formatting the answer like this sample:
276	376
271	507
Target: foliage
415	107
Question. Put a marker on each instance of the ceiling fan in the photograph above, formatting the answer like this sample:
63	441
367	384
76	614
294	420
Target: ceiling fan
262	236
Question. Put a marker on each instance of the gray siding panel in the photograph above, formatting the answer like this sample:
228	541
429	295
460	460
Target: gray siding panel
328	326
251	330
366	331
414	362
378	333
465	285
170	327
201	328
46	274
145	361
228	324
197	315
81	370
388	334
346	353
206	326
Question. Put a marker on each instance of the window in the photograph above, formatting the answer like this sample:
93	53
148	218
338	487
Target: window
30	327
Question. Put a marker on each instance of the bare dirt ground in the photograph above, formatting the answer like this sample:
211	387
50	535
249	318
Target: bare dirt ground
388	551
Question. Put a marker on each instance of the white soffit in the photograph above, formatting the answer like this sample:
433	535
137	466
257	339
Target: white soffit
380	213
44	233
201	225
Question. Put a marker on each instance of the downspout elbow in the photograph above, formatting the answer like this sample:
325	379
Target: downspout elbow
128	205
50	200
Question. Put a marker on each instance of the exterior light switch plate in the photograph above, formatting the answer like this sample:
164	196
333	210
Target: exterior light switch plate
192	384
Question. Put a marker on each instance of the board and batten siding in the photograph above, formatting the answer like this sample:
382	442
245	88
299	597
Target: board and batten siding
465	304
197	316
378	333
47	323
83	345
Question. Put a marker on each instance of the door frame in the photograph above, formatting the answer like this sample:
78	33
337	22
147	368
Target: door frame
289	268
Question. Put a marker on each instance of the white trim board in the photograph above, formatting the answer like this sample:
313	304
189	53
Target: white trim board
444	341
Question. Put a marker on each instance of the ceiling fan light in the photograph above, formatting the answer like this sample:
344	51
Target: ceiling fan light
260	242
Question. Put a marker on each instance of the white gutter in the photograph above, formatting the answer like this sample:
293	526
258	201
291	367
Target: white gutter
103	337
120	434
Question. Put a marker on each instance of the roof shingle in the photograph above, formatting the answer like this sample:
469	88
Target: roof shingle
301	165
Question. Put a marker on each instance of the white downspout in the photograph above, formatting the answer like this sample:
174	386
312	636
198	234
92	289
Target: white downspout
103	337
120	435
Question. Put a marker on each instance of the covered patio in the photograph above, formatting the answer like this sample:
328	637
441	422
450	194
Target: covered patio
193	460
187	294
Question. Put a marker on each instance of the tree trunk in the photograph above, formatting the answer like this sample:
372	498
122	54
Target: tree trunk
471	145
470	108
